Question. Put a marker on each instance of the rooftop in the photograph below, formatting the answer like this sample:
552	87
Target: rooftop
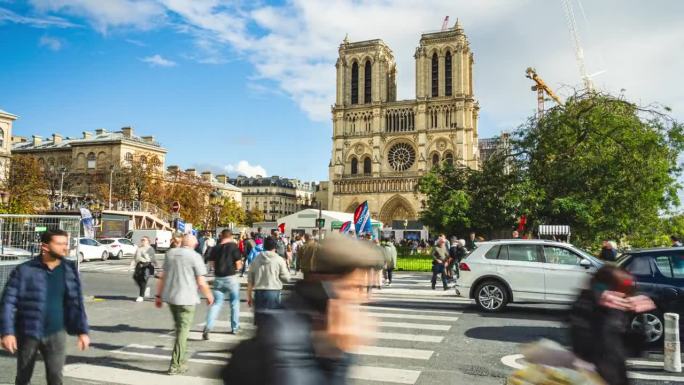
56	141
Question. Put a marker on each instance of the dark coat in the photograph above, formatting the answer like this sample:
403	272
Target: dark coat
282	352
602	336
24	300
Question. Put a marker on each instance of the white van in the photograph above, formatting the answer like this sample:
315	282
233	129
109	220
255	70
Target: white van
159	239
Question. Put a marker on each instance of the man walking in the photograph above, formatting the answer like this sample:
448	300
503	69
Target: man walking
41	303
227	261
307	254
440	255
266	277
281	247
184	272
390	254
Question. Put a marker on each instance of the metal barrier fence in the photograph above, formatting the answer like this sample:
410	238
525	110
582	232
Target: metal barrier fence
20	234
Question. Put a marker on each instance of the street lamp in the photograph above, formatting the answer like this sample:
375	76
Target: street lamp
111	178
214	200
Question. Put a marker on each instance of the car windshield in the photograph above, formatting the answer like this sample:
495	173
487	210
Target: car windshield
106	241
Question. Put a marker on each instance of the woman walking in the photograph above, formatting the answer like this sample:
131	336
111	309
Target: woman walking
144	262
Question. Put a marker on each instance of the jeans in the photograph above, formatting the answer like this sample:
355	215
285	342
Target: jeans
389	271
265	300
183	317
439	269
51	348
222	286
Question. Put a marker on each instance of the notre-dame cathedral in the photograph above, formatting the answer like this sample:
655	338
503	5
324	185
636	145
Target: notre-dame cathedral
381	145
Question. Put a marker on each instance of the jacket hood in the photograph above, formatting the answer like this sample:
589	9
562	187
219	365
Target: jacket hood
270	257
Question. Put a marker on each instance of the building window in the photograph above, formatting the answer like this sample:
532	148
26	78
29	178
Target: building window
435	160
355	84
128	157
447	74
354	166
367	166
367	83
449	158
92	161
435	75
2	137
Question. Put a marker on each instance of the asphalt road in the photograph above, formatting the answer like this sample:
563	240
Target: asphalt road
424	337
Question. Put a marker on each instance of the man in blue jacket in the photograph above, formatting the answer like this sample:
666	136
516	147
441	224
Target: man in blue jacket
41	303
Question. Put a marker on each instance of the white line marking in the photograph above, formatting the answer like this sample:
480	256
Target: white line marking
413	316
512	361
380	351
401	309
372	373
433	293
404	325
165	357
132	377
404	337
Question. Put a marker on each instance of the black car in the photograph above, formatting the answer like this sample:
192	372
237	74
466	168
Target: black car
659	274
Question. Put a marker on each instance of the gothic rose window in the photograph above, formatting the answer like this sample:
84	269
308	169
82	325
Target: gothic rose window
401	156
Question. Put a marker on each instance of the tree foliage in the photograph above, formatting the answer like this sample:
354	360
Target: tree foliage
254	216
25	186
599	163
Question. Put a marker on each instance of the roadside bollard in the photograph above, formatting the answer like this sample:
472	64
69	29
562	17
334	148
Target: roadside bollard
673	356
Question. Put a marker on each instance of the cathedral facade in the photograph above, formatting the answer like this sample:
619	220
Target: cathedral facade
382	146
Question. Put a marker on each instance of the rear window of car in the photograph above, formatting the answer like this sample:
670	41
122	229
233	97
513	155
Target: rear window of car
493	253
106	241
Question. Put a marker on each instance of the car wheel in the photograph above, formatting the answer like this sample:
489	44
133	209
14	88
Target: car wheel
105	255
119	255
651	325
491	297
81	258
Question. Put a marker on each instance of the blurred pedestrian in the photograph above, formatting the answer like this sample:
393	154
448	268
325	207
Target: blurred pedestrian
675	241
440	255
456	254
307	254
471	243
143	265
280	244
265	278
183	276
390	256
608	251
515	234
258	248
226	261
296	247
309	341
600	323
43	302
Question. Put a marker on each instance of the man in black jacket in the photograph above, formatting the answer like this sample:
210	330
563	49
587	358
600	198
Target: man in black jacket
308	341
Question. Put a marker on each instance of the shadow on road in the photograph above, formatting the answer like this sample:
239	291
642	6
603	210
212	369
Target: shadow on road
518	334
125	328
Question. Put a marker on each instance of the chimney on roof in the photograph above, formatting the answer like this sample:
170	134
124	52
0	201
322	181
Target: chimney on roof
148	139
173	169
191	171
100	131
127	132
56	138
221	179
19	139
37	140
207	175
87	135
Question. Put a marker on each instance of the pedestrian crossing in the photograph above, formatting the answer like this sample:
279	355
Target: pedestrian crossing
119	267
403	343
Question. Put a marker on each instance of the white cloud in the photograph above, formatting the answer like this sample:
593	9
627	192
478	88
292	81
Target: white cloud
50	42
40	22
104	15
244	168
158	61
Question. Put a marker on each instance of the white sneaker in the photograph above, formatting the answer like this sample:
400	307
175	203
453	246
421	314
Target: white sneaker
139	299
147	292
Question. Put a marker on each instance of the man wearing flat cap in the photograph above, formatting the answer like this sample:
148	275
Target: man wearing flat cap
309	340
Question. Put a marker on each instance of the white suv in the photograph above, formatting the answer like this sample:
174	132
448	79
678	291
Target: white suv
533	271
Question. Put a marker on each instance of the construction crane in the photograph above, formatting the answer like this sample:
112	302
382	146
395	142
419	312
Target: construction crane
541	89
579	53
445	24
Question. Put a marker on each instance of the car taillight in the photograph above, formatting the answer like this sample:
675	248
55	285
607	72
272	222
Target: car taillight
463	266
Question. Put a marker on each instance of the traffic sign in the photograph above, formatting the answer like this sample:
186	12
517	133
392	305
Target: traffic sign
180	226
175	207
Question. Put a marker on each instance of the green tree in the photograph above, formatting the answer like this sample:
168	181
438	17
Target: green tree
231	212
254	216
447	200
600	164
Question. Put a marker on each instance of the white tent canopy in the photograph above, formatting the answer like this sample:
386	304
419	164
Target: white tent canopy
306	220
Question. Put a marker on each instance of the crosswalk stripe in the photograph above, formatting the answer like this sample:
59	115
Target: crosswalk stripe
132	377
412	316
418	299
165	356
404	325
214	337
381	351
403	337
373	373
432	293
403	309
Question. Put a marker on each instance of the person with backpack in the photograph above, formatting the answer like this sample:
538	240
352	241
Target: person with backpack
265	278
309	339
227	261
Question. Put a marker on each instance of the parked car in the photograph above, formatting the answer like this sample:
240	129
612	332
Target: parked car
119	247
9	251
89	249
159	239
524	271
659	274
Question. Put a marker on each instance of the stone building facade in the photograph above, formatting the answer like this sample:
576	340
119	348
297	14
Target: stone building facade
381	146
276	197
89	159
6	121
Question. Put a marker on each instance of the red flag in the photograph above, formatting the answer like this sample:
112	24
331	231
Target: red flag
281	228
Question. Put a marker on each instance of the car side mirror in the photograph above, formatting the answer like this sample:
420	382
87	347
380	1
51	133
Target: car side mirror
585	263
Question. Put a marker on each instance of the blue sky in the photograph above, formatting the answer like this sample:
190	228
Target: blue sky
226	85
